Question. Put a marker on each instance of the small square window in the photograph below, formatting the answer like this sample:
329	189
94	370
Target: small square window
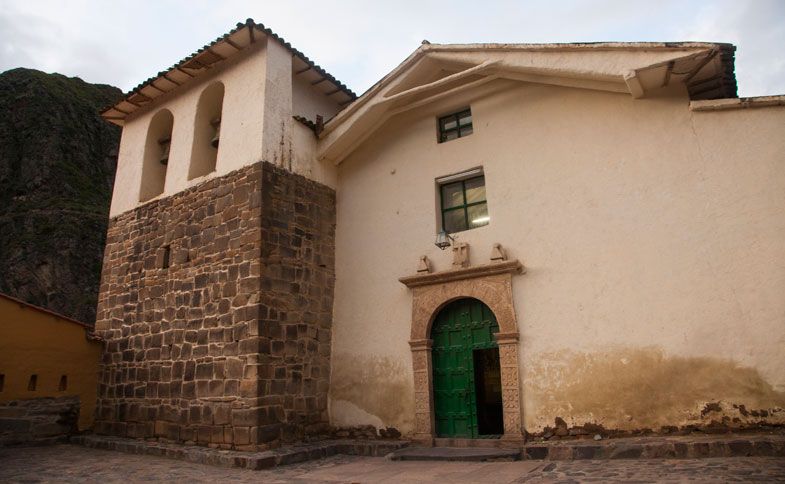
456	125
463	203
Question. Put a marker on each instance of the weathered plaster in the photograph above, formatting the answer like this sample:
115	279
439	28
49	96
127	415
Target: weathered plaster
642	224
376	385
644	388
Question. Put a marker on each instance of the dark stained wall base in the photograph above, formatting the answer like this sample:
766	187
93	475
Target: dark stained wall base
38	421
216	305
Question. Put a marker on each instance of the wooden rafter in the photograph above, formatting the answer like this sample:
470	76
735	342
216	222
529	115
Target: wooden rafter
210	50
180	69
166	76
152	84
197	61
120	110
232	43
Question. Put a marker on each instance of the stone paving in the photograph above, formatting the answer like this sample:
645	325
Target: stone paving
69	463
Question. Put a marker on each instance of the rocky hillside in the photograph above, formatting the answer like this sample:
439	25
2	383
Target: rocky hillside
57	164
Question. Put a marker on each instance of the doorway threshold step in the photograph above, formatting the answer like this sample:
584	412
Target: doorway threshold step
463	454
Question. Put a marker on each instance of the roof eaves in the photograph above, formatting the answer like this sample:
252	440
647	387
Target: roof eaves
250	24
306	59
726	51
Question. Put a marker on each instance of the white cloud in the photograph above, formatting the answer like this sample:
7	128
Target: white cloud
124	42
757	28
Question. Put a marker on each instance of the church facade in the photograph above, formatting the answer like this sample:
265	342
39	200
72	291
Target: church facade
493	241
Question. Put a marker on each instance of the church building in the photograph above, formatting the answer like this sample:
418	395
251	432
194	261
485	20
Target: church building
495	241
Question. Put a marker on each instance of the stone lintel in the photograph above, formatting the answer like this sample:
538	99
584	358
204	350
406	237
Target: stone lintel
511	266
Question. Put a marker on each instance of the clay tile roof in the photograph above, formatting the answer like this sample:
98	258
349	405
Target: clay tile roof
205	58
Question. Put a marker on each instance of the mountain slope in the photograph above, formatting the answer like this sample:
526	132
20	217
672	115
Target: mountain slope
57	164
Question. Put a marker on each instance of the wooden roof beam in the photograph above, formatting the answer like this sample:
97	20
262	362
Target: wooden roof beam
210	50
180	69
166	76
232	43
152	84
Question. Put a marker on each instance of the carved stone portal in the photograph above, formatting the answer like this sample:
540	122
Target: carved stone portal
491	284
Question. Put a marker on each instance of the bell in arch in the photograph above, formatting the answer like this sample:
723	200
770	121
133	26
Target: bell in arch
217	136
165	144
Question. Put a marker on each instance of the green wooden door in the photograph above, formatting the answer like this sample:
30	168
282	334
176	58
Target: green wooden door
460	328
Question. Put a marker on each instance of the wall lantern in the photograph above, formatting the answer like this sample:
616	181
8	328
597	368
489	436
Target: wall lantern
444	240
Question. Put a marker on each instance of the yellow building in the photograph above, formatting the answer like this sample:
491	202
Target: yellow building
44	357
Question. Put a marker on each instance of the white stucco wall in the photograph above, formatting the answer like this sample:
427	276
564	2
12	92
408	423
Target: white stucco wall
256	125
654	239
308	101
241	128
284	141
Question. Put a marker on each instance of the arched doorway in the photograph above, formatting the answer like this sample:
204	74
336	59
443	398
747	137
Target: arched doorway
467	385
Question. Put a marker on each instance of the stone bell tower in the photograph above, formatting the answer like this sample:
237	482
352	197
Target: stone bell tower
217	289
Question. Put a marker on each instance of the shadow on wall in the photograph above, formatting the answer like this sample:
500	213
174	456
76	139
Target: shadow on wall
156	155
369	390
207	131
635	389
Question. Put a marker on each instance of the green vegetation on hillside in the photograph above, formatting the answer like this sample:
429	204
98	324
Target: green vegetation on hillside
57	165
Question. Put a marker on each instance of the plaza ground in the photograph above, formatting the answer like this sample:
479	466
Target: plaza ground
71	463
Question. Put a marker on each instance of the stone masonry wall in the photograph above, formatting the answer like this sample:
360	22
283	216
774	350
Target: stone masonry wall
216	307
298	276
37	421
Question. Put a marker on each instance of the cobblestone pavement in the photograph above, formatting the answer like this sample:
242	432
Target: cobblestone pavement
68	463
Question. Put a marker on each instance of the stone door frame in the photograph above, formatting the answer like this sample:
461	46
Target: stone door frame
490	284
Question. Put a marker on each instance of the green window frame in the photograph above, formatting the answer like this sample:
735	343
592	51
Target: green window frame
463	204
455	125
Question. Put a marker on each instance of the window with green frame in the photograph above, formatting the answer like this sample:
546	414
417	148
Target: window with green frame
456	125
463	204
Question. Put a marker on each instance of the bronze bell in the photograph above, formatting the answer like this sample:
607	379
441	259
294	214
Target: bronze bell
165	144
217	136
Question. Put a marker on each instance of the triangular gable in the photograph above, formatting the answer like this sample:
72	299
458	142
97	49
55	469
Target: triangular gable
434	72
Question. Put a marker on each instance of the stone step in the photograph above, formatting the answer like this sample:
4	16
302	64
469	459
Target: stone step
464	454
248	460
485	443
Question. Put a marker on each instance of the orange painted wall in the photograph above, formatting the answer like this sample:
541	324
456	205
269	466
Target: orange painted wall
37	342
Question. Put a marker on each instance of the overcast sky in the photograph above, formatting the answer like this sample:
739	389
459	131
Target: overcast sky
124	42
